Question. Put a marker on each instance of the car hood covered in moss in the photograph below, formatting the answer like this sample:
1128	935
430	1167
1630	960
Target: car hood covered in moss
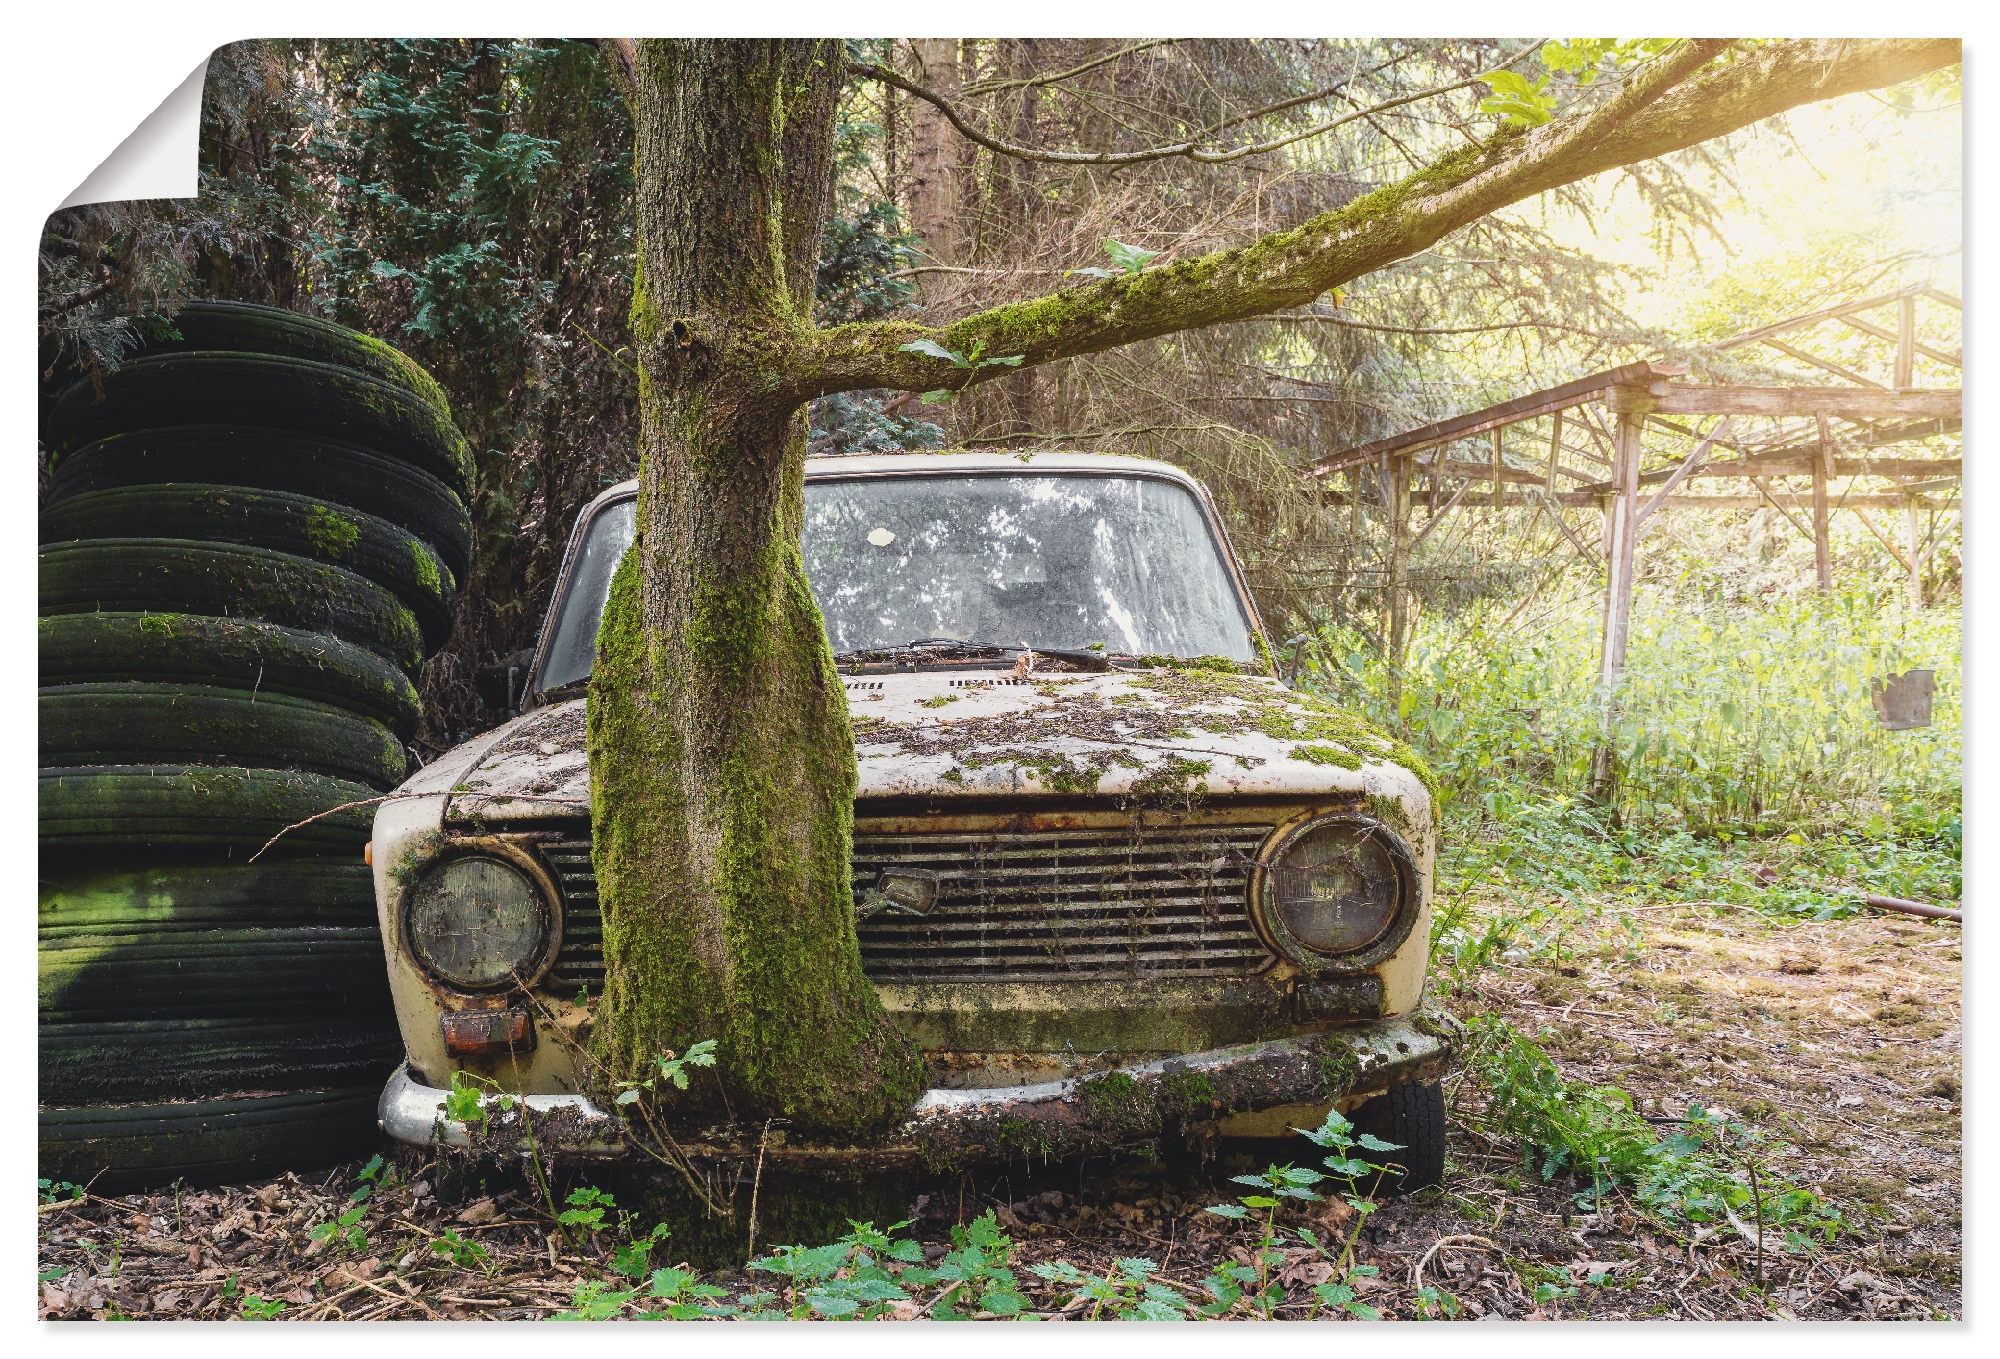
1170	731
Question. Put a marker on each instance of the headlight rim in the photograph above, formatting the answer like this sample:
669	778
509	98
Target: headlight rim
548	908
1286	945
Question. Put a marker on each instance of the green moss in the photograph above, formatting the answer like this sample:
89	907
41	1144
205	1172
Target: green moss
427	568
1187	1094
1219	664
158	624
1175	774
1339	1070
1270	667
938	701
332	532
1333	755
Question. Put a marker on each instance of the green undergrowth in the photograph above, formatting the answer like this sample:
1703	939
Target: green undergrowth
1706	1168
873	1273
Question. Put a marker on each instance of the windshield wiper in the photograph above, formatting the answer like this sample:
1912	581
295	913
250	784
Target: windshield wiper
1086	660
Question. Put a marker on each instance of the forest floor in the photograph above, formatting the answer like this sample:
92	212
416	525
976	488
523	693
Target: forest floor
1837	1040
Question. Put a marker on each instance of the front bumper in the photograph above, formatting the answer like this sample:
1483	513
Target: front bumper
1222	1091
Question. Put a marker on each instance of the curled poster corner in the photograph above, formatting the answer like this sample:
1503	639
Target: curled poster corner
160	157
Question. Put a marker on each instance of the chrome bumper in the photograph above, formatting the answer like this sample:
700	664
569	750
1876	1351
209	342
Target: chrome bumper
1221	1090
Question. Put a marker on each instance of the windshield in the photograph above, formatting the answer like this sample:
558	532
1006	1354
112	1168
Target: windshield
1050	561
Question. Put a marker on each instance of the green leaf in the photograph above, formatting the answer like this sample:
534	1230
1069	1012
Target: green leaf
934	350
1130	258
941	397
1097	271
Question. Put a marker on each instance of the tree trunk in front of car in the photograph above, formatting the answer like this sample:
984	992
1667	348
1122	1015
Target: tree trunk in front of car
722	760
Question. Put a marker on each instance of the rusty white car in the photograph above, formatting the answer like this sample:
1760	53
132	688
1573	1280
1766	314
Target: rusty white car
1120	882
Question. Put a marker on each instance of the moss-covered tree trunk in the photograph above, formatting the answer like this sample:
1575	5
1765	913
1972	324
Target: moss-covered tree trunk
721	755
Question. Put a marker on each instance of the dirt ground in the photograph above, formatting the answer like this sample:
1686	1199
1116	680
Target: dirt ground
1840	1040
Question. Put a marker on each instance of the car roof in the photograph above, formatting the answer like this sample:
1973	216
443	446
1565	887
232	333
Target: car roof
964	460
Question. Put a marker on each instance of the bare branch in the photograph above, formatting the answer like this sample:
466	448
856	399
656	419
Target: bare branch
986	87
1681	99
1191	147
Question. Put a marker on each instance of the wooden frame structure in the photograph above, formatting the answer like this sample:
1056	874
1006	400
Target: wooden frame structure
1828	434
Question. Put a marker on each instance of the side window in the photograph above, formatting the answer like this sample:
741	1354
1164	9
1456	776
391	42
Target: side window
573	640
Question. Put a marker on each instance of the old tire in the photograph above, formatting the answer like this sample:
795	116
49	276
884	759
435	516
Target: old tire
161	575
163	1059
210	974
1411	1115
279	521
136	809
248	328
116	899
296	395
139	1146
143	723
185	648
324	469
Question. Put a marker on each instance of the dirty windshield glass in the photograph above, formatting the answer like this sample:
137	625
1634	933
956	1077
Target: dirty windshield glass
1046	561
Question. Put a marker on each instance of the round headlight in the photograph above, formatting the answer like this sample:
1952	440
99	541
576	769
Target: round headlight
1337	888
477	922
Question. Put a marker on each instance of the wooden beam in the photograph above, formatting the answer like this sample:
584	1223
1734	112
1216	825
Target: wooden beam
1906	343
1882	437
1822	542
1621	544
1770	465
1811	318
1853	403
1499	466
1684	501
1555	449
1824	365
1689	465
1915	544
1527	407
1870	328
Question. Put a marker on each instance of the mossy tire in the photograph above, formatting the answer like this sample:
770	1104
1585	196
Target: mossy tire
1411	1115
168	575
146	723
185	648
98	899
158	1059
298	395
325	469
249	328
211	974
279	521
119	1148
138	809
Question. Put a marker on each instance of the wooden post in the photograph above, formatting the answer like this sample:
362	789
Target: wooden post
1499	486
1399	575
1621	537
1555	447
1822	544
1906	342
1913	556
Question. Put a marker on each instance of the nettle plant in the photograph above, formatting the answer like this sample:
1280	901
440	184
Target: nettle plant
1250	1287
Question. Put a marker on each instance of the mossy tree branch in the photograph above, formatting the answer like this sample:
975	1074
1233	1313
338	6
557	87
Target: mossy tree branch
1699	90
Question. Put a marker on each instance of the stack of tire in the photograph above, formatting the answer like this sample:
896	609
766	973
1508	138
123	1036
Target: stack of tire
249	544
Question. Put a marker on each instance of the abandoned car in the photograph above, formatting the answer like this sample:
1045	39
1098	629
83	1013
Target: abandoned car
1119	881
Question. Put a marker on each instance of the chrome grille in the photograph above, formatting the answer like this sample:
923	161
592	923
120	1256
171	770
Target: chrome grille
1071	905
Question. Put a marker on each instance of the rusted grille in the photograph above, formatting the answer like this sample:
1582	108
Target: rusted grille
581	961
1073	905
1076	905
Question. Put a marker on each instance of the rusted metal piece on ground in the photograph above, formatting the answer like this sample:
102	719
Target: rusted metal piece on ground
1083	1115
1903	702
1915	908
